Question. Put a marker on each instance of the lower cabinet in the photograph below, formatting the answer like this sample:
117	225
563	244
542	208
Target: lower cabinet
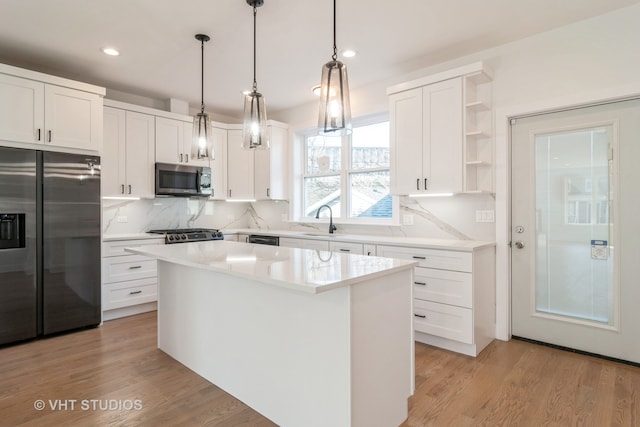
129	281
346	247
454	296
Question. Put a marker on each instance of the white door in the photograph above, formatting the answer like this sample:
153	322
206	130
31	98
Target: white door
575	227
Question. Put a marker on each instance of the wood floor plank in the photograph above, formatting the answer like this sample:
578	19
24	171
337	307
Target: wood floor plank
509	384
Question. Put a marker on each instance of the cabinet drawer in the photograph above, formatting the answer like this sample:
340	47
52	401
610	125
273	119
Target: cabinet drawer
116	247
124	294
448	287
443	320
128	267
430	258
346	247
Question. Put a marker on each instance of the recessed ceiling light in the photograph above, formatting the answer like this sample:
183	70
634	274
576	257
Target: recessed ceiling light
110	51
349	53
316	90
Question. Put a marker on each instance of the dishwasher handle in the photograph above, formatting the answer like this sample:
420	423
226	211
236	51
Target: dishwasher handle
264	240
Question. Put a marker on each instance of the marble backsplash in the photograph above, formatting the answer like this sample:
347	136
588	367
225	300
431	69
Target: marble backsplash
442	218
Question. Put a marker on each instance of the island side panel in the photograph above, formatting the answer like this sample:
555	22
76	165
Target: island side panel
282	352
382	349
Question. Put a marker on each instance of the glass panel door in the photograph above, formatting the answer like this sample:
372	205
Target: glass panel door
574	260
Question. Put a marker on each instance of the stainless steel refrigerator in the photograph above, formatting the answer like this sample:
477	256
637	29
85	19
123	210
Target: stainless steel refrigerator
49	243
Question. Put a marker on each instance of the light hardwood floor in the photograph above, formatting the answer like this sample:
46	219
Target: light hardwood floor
510	384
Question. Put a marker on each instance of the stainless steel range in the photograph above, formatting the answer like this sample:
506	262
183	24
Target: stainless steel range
185	235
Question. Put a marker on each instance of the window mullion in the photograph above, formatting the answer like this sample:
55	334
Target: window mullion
345	207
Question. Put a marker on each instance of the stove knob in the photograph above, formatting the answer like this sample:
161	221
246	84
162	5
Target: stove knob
170	237
184	237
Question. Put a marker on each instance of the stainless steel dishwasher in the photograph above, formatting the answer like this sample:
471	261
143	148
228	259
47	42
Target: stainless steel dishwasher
264	240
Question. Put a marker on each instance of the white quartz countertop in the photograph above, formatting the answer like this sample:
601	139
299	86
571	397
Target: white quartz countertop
299	269
415	242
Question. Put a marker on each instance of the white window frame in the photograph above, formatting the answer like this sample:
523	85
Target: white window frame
299	174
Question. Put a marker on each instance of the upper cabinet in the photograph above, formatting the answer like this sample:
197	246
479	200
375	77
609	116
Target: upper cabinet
128	155
426	139
173	142
440	141
49	111
271	167
219	162
258	174
240	162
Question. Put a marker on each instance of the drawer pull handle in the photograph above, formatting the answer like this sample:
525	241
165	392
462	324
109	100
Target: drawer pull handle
345	250
419	257
420	283
133	267
422	316
135	292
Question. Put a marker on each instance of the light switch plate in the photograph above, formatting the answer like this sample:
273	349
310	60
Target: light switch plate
485	216
407	219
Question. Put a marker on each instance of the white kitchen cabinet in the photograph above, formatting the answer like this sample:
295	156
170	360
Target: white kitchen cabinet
319	245
370	249
454	296
271	166
35	112
346	247
218	164
128	154
441	133
258	174
173	142
426	139
240	168
129	281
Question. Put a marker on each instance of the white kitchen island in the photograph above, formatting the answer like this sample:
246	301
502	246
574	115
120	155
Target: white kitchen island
306	338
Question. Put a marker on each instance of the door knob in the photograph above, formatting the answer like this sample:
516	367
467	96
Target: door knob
519	244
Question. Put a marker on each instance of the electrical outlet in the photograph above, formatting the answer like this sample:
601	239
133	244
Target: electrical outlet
123	218
485	216
407	219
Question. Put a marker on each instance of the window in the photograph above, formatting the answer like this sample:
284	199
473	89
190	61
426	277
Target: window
350	174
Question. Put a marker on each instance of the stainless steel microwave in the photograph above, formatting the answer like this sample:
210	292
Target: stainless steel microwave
182	180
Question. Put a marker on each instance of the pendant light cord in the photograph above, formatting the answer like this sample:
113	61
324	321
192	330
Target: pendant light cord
202	77
335	49
255	85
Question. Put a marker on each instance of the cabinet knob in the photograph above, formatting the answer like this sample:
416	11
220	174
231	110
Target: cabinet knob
422	316
135	292
39	136
418	184
121	188
49	136
420	283
186	158
181	157
129	188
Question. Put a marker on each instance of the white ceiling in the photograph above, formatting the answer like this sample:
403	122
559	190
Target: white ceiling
161	58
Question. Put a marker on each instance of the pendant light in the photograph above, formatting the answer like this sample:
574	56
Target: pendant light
254	135
201	146
335	111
